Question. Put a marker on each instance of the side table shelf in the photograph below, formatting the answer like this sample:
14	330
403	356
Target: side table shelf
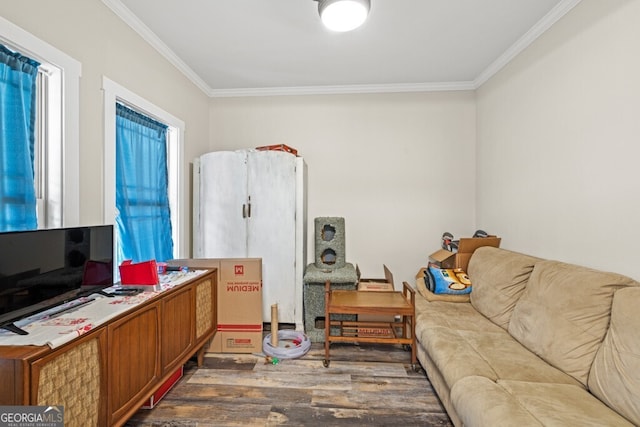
394	303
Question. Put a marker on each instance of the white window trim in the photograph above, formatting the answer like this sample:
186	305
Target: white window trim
113	92
66	178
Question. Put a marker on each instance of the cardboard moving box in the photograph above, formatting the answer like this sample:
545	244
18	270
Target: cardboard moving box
375	285
443	258
239	307
239	303
237	341
385	284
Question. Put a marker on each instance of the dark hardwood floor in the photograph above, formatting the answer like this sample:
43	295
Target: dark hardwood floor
365	384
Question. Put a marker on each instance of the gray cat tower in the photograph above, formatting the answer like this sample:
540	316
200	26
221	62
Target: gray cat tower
330	264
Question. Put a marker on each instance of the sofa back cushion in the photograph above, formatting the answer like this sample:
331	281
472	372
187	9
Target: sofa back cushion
498	278
615	374
563	314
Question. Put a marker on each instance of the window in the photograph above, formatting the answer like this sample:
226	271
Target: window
56	161
114	94
18	76
143	215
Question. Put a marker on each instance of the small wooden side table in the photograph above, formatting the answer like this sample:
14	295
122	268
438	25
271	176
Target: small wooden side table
394	303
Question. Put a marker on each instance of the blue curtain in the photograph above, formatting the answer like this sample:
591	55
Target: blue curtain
142	201
18	76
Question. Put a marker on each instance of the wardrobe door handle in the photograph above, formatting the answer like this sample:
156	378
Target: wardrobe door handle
244	210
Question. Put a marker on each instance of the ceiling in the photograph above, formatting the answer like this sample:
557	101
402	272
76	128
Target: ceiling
268	47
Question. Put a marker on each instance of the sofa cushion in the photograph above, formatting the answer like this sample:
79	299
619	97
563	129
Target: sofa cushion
563	314
498	278
615	374
478	401
494	355
454	357
458	315
461	342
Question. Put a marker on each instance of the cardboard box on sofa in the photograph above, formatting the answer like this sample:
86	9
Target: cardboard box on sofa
239	303
375	285
443	258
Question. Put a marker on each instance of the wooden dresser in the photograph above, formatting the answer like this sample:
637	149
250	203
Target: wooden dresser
105	375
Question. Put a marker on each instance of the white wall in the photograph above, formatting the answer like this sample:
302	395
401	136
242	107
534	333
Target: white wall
398	167
558	142
92	34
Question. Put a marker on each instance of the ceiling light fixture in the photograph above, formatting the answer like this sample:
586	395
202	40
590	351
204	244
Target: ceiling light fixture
343	15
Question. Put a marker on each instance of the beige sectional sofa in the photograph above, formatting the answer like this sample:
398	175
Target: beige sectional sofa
540	343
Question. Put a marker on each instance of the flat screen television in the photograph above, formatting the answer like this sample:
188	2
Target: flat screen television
41	269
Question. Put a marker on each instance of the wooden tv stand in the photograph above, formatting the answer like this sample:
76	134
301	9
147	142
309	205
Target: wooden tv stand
105	375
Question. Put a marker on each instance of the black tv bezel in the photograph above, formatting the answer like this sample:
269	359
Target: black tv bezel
7	320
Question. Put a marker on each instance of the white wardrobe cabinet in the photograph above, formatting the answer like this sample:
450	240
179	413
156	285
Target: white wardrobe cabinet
251	203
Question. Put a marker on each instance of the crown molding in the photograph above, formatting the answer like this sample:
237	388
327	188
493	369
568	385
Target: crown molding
150	37
343	89
529	37
554	15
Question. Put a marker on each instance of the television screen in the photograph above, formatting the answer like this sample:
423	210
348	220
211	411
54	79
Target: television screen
40	269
